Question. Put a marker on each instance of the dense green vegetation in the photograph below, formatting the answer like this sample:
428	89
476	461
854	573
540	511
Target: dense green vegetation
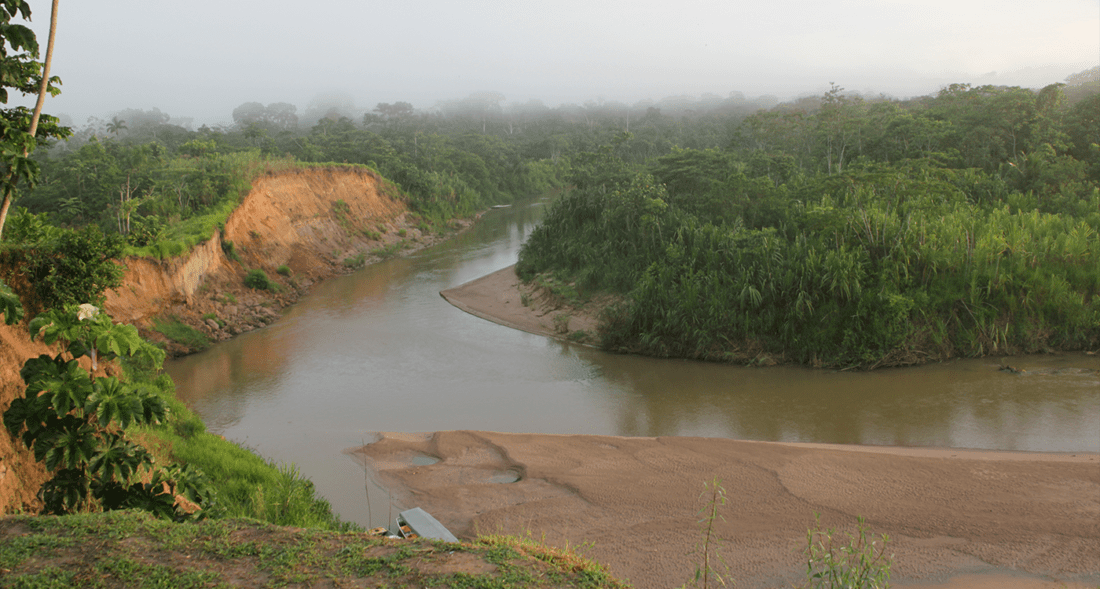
166	190
73	421
847	232
164	186
113	442
836	230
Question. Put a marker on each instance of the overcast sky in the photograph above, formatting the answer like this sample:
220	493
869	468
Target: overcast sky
202	58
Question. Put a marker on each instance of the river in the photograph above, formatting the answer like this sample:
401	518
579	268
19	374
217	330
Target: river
380	350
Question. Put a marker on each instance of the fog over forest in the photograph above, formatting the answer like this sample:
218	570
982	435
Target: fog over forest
199	60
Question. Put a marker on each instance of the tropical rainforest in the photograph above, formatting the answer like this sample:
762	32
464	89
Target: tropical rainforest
845	231
834	230
838	229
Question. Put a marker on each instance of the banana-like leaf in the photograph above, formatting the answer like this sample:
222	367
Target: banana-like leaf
119	460
72	449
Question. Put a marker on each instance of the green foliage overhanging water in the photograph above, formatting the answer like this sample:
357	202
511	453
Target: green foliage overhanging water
856	234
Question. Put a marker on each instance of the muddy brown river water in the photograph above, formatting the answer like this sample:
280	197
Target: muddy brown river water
380	350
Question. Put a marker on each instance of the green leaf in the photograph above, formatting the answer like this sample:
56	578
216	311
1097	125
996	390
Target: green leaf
10	305
64	492
72	449
66	384
112	400
38	324
119	460
27	412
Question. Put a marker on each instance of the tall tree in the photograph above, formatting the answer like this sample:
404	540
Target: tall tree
839	126
18	126
116	126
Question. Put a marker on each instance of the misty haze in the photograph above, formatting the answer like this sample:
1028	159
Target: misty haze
539	276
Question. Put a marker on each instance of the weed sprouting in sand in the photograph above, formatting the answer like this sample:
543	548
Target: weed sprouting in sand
849	561
713	566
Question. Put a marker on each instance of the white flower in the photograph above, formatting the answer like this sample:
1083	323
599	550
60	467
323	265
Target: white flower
87	311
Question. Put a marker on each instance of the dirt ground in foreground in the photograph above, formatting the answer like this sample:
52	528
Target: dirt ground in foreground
955	518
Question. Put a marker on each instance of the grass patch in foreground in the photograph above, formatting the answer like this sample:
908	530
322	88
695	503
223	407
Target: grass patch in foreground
246	484
133	549
589	573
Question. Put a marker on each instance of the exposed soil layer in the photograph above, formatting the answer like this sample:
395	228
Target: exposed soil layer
20	475
318	223
953	516
310	221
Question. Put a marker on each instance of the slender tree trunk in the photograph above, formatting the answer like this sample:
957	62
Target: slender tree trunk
6	204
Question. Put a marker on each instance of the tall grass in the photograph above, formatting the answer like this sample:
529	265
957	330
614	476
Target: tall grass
889	265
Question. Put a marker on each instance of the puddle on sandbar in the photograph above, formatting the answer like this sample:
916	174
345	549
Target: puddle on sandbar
504	477
424	460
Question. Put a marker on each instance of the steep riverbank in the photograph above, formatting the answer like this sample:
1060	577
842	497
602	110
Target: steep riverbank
318	223
312	223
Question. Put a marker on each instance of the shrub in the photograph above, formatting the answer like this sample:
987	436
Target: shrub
580	336
258	280
561	322
356	261
74	422
230	251
10	306
283	270
858	561
77	267
389	251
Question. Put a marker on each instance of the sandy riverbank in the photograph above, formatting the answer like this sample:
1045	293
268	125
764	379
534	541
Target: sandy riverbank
956	518
499	297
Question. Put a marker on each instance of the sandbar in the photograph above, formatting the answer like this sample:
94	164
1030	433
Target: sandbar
955	518
500	297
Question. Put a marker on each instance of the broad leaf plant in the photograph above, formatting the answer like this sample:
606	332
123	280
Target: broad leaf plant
74	421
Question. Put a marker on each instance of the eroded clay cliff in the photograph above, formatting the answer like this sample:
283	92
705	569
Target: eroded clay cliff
308	220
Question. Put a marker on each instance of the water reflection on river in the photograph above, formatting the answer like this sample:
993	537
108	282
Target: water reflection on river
381	351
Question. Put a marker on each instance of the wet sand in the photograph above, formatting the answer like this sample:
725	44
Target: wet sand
955	518
499	297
